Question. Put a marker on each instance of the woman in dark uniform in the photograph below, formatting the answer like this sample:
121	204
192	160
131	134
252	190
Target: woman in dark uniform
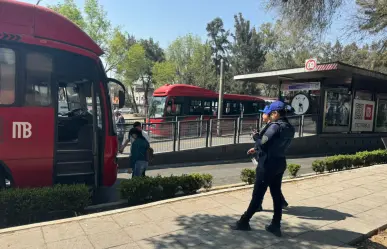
270	150
266	120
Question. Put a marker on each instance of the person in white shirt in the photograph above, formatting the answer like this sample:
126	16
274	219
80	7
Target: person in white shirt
138	126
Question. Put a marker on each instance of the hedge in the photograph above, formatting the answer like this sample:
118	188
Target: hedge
248	175
140	190
340	162
293	169
23	206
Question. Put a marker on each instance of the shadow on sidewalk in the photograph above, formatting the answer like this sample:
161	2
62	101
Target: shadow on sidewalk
316	213
213	231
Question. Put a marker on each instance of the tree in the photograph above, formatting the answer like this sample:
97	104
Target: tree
153	54
193	61
248	53
316	15
286	48
313	16
218	39
133	68
203	71
367	56
70	10
164	72
94	22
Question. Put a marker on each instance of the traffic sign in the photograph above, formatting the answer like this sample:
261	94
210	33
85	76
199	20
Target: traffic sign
310	65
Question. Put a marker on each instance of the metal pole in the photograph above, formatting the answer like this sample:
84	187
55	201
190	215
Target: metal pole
174	132
201	126
208	131
299	126
221	92
239	129
210	142
235	130
178	136
302	125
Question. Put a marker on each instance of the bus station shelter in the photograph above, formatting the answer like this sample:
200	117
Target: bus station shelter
343	108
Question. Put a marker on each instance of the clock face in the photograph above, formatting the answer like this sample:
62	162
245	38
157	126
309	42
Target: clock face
300	103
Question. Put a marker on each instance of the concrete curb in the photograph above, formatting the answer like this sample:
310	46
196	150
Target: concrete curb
219	190
367	235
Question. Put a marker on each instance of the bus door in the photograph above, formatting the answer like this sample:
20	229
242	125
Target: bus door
77	132
26	117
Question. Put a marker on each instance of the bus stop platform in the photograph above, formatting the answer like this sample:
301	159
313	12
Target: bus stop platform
327	211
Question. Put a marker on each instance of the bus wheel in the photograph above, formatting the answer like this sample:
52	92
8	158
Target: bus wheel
2	179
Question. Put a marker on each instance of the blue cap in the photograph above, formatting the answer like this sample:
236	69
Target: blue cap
264	109
275	106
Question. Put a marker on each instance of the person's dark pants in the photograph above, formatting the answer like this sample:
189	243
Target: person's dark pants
262	182
120	141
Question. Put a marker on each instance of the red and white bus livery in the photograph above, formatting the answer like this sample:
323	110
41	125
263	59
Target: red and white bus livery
56	122
188	102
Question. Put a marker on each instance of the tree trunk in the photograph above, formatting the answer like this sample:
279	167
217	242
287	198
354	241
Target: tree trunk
134	100
146	90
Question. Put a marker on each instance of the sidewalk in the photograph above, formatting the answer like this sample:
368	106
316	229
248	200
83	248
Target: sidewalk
326	212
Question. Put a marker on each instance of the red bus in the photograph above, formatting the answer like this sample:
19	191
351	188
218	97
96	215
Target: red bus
188	102
45	60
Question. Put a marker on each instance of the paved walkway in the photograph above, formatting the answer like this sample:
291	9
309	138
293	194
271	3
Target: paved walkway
326	212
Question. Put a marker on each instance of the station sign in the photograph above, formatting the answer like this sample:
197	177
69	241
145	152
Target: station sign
363	115
310	65
310	86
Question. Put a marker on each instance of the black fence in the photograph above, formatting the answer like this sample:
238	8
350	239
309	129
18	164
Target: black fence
202	133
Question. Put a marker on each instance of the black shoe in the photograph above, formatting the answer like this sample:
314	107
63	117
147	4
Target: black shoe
285	205
259	209
242	224
276	230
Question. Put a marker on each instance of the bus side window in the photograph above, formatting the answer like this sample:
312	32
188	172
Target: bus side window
38	78
227	109
7	76
207	107
214	106
195	107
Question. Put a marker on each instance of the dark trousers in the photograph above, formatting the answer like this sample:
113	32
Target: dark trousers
262	182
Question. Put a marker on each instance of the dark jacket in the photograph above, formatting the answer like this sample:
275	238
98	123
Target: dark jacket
138	151
120	122
271	146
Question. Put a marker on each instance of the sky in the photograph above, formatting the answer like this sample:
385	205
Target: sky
165	20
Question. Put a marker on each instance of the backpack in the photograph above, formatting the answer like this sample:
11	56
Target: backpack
149	154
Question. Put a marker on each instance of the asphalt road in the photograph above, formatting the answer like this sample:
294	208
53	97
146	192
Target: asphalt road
224	174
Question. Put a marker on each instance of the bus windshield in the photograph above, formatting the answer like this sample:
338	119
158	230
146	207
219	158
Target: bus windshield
157	107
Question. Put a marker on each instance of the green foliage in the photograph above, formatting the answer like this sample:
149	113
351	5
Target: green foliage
218	40
98	26
373	157
70	10
248	176
360	159
164	73
23	206
329	164
293	169
248	54
146	189
192	62
318	166
357	161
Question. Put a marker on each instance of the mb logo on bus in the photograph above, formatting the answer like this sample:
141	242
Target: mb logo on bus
21	130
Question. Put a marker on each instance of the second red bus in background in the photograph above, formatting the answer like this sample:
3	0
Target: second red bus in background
189	102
